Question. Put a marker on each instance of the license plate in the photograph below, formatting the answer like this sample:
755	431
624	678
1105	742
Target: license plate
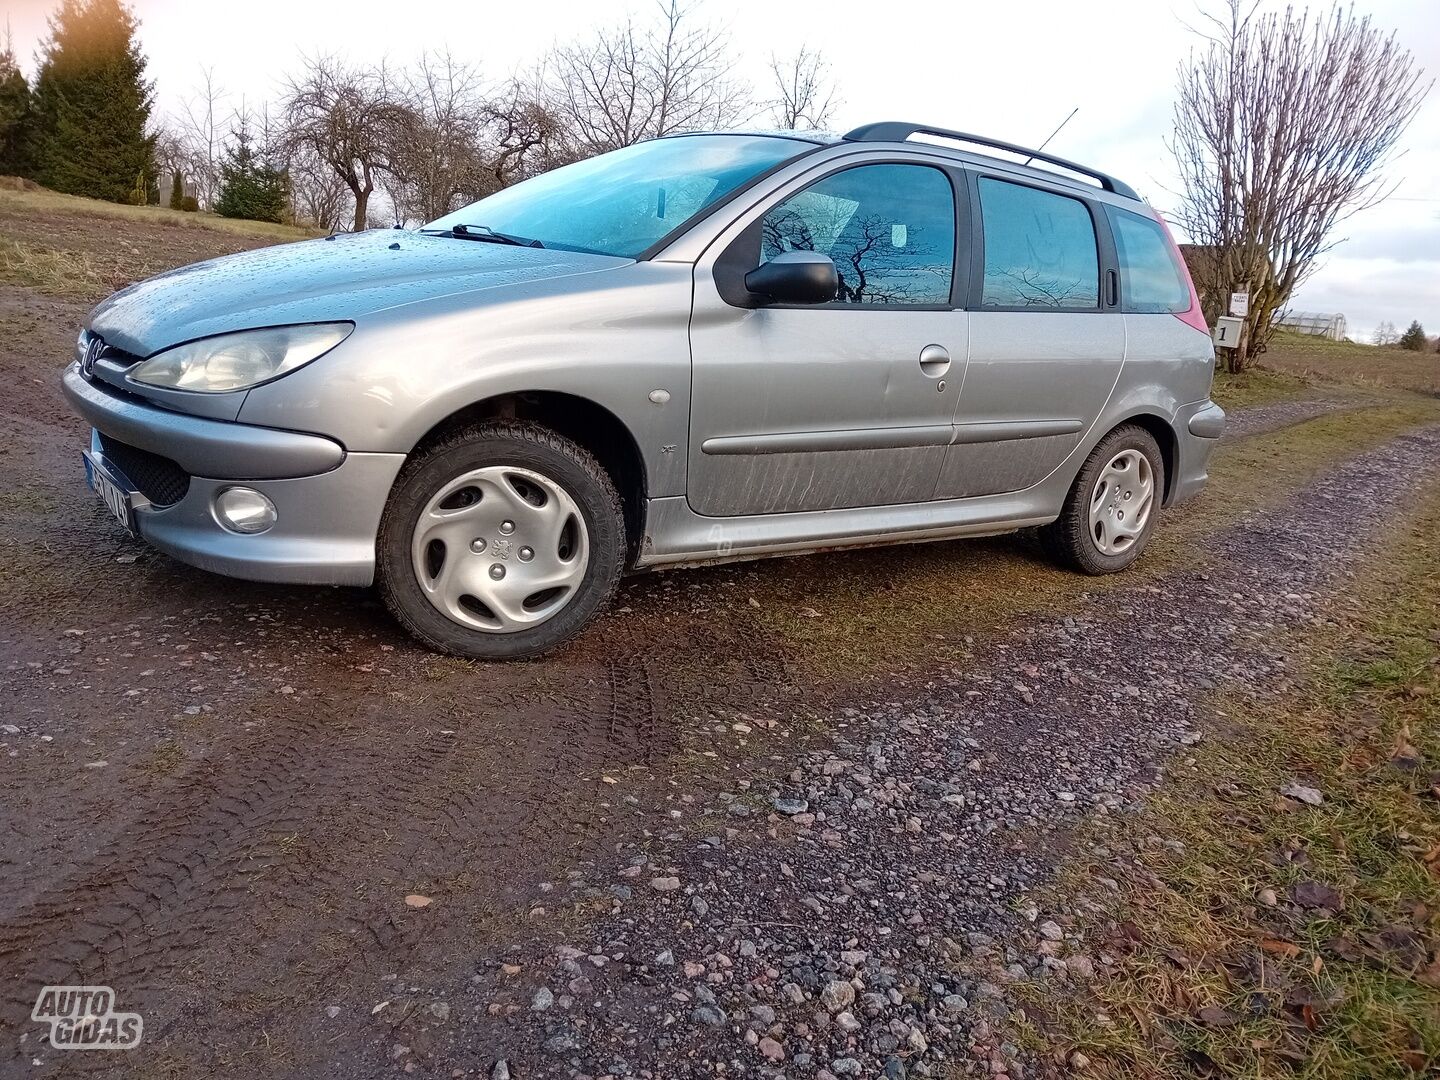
110	492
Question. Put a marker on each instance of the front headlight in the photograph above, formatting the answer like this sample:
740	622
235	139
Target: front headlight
236	361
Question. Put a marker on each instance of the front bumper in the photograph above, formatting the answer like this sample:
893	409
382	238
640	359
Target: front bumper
324	533
326	521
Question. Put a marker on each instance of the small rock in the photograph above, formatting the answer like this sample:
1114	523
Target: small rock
708	1015
1051	930
416	900
837	995
771	1049
1308	795
332	1011
791	806
665	884
542	1000
501	1070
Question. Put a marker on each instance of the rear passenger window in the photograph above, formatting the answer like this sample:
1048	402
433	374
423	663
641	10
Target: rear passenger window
890	230
1150	281
1039	249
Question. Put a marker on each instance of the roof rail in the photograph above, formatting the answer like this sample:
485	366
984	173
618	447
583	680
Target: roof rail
899	131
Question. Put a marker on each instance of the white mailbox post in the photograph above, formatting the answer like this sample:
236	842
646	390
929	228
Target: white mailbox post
1227	332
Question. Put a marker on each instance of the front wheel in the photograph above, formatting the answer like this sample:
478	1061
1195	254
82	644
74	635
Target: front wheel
1111	509
500	542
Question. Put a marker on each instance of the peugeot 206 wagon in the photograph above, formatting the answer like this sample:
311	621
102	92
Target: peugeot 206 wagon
704	347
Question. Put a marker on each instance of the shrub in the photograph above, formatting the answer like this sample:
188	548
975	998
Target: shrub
177	192
189	204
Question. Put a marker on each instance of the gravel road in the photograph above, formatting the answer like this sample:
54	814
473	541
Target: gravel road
830	920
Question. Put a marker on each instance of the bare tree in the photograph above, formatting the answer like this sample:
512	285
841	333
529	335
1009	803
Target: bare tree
200	130
524	135
348	118
435	156
807	94
321	197
1386	334
1282	125
639	82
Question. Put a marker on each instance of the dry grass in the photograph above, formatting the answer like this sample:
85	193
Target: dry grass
1257	386
42	201
1305	357
51	271
1282	939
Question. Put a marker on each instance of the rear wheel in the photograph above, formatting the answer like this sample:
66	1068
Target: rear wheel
500	542
1111	509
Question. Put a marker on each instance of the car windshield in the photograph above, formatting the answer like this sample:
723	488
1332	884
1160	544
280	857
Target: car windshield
623	202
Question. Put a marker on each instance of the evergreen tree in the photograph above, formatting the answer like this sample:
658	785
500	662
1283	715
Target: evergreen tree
1414	338
14	113
249	186
91	104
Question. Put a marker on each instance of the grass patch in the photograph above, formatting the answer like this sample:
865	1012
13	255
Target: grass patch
1250	474
29	203
1279	938
852	614
1258	386
1307	357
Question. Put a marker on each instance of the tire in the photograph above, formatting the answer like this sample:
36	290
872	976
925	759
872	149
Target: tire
541	509
1091	533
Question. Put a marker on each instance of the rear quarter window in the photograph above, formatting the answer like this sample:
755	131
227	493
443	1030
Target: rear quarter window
1150	279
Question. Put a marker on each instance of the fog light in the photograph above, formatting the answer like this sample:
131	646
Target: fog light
244	510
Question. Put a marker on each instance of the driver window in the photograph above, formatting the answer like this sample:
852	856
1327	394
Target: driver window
890	230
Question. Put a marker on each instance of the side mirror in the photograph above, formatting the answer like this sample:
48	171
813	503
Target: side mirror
795	277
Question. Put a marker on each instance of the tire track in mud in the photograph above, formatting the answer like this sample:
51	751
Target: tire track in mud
314	832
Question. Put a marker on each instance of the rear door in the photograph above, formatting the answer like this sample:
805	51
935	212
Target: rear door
844	404
1046	343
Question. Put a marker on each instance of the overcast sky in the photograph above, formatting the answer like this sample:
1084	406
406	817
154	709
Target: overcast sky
1012	70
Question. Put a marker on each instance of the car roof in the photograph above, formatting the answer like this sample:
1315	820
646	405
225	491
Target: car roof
900	133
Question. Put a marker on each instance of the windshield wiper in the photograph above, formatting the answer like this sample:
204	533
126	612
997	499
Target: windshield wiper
485	234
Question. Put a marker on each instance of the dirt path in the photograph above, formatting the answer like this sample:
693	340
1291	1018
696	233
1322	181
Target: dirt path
853	908
277	780
1260	419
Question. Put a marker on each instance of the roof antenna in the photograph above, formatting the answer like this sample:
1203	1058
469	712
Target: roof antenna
1053	134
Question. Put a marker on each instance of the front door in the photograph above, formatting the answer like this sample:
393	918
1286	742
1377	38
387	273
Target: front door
837	405
1045	347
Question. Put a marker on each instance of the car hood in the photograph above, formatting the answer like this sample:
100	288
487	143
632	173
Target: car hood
340	277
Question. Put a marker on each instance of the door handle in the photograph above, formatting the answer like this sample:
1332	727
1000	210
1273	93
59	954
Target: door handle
934	360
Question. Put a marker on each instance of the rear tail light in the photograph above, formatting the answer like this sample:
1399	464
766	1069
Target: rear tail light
1194	316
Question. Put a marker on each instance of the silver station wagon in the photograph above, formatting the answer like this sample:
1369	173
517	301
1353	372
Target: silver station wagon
704	347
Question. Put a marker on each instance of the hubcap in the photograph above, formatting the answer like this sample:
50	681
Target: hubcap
1120	504
500	549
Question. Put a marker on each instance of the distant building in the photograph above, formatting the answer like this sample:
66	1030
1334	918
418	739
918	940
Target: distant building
1318	324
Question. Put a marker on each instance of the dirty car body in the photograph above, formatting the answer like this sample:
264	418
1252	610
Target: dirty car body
775	344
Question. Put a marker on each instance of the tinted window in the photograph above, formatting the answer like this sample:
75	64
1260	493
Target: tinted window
622	202
1149	278
890	230
1039	249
